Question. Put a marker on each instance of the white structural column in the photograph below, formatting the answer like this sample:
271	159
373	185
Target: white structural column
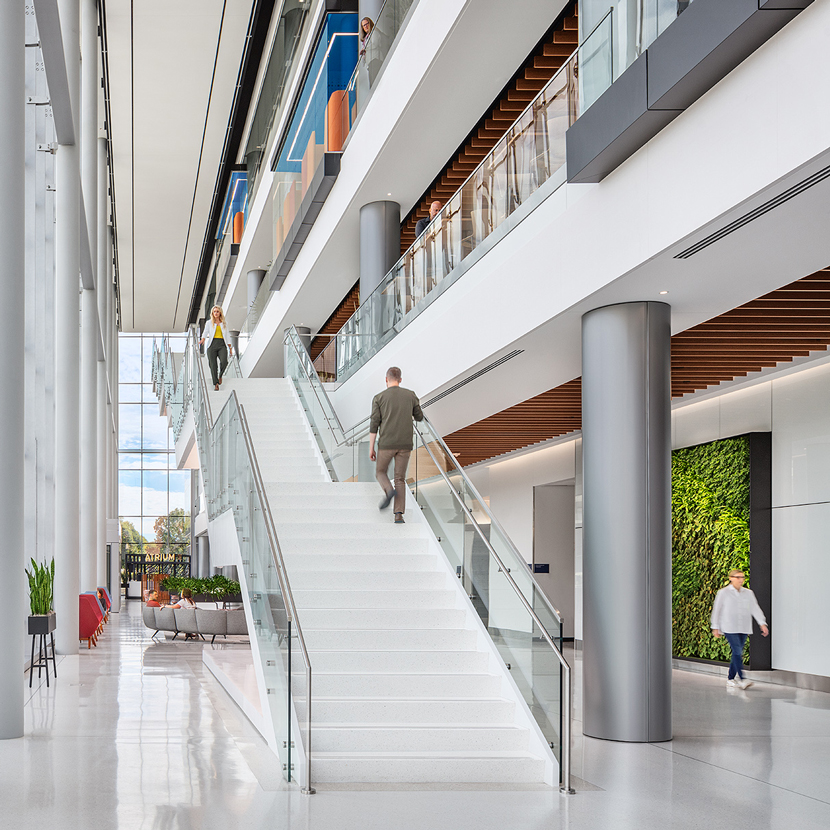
89	303
67	351
101	393
112	425
12	289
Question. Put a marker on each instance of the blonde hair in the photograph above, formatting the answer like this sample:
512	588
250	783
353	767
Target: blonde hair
736	572
221	314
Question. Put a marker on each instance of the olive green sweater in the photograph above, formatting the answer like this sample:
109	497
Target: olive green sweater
392	414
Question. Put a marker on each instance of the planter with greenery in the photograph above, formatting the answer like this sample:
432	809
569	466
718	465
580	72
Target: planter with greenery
42	620
211	589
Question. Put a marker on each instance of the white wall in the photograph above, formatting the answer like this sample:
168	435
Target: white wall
553	545
509	487
795	407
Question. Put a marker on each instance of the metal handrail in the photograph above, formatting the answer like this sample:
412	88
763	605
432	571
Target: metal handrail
567	697
567	700
355	433
282	575
271	532
440	214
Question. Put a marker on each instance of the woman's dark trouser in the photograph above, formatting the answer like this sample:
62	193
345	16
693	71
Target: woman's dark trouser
736	643
217	349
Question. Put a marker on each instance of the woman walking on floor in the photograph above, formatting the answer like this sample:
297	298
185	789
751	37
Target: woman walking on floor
217	348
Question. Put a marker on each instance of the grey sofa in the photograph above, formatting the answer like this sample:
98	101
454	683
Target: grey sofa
205	622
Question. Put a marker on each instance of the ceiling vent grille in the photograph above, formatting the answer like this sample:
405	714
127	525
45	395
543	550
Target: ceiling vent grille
788	194
478	374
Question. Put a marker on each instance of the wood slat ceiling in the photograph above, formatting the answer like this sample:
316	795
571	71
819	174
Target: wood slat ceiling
543	63
338	319
792	321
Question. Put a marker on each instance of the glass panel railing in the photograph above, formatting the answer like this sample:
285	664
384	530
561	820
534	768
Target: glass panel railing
518	616
233	482
523	624
290	31
314	129
526	157
376	39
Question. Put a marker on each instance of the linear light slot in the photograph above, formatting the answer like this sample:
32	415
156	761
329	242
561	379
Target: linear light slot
773	203
472	377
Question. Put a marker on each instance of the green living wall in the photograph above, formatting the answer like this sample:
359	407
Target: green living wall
710	537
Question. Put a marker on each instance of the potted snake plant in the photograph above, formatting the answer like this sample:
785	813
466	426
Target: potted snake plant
41	584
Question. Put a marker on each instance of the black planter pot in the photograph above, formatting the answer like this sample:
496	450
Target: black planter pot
42	623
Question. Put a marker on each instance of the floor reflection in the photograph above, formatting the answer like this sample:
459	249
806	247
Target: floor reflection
137	734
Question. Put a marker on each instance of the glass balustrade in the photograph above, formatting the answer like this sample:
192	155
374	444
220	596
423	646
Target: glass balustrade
524	159
233	482
522	623
282	66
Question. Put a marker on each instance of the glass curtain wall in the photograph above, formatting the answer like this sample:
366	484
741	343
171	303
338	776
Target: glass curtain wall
154	498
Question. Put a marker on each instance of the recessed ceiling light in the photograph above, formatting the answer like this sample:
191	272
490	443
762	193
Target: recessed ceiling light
664	292
388	194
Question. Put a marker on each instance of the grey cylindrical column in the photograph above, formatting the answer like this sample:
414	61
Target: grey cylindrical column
380	243
12	289
304	333
204	555
626	445
67	349
255	279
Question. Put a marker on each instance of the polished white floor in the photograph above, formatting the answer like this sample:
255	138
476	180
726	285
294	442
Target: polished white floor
138	734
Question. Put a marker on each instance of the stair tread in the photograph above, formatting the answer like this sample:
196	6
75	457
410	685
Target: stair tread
455	754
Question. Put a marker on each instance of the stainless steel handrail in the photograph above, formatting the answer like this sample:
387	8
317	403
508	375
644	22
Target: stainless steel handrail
355	434
440	215
567	697
567	704
273	540
282	575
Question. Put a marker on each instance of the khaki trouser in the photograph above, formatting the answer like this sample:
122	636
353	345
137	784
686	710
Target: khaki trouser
401	463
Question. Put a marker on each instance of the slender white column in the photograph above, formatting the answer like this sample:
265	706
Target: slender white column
89	304
101	392
12	289
112	426
67	351
89	441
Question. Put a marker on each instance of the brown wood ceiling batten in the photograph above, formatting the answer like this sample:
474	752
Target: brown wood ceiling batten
792	321
337	320
544	62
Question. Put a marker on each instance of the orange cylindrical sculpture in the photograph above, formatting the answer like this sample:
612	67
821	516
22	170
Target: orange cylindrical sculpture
238	227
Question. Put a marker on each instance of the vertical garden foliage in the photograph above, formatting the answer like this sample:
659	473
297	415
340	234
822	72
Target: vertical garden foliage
710	536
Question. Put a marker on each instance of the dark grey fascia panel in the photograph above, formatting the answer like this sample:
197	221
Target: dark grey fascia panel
324	177
614	127
704	45
698	50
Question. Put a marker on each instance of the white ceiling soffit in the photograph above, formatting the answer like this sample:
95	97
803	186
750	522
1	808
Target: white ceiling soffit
173	69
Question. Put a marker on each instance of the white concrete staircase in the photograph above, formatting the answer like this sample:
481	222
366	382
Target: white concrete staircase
407	686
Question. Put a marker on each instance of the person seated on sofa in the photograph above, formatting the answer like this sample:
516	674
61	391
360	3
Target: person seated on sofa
153	600
186	600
